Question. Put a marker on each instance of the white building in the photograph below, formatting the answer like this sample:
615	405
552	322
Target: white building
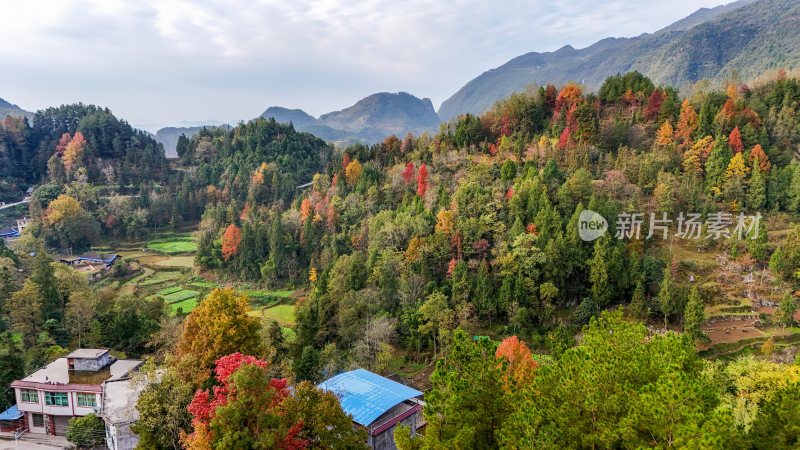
68	387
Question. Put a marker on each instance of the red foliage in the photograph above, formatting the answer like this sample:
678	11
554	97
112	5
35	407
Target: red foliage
654	104
728	109
345	161
408	173
230	241
422	180
510	193
532	229
62	143
565	140
735	141
451	266
520	364
763	160
493	148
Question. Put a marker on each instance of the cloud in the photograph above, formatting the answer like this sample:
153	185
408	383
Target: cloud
166	61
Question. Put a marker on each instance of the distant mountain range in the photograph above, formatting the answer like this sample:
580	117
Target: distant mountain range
10	109
370	120
747	36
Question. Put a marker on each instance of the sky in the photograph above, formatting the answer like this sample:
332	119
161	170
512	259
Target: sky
172	62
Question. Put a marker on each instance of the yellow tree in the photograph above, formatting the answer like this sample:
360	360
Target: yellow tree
695	158
735	179
74	151
687	124
353	172
218	327
63	207
664	136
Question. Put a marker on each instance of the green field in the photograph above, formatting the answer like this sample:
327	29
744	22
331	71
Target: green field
179	295
175	245
186	306
283	314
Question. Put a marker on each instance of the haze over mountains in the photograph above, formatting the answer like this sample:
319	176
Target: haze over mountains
746	37
370	120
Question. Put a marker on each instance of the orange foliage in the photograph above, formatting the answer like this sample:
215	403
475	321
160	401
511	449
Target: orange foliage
687	124
305	210
735	141
230	241
520	367
763	159
74	151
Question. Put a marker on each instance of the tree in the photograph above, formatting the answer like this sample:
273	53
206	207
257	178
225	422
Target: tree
408	173
24	310
422	180
757	156
735	179
218	327
230	241
735	141
88	431
80	314
777	425
664	136
694	316
466	405
519	364
11	366
757	191
437	319
784	315
668	295
73	152
599	273
324	424
68	224
716	164
687	124
163	417
243	410
352	172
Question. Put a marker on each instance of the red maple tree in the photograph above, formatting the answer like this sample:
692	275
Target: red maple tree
735	141
422	180
408	173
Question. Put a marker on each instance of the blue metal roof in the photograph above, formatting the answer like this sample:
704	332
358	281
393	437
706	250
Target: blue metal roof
11	414
366	396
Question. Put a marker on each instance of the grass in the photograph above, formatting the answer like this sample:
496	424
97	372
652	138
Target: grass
169	290
160	277
283	314
179	295
186	306
173	244
177	261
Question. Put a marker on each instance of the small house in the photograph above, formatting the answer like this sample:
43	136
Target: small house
377	404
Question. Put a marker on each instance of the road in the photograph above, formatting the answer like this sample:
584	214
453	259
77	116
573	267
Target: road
11	205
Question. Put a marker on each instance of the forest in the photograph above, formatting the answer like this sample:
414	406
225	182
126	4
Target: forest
454	260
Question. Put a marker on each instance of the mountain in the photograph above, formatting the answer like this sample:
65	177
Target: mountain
168	136
10	109
711	43
370	120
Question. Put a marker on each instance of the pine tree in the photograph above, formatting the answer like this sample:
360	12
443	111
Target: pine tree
716	164
667	295
694	315
757	191
598	272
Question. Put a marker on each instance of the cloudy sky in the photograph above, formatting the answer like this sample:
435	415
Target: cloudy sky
160	62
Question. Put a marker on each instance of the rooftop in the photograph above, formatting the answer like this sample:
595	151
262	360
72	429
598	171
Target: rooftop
87	353
366	396
57	372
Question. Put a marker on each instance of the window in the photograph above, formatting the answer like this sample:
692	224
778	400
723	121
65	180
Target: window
38	420
87	400
56	399
29	396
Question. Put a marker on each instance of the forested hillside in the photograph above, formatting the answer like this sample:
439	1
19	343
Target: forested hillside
456	261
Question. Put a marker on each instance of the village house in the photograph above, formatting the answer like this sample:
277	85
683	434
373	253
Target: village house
377	404
93	265
68	387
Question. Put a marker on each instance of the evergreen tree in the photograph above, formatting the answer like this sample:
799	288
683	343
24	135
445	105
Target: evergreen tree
757	191
599	275
694	315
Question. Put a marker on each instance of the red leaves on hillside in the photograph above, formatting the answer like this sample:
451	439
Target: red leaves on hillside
422	180
654	104
735	141
408	173
230	241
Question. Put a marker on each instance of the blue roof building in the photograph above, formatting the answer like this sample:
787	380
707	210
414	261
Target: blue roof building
8	233
377	404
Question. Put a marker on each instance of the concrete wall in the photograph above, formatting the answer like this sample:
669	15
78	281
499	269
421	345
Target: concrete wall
120	437
92	365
